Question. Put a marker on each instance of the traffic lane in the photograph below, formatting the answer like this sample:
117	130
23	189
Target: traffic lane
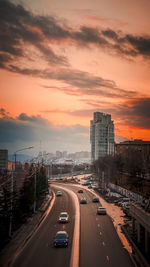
40	251
116	254
99	242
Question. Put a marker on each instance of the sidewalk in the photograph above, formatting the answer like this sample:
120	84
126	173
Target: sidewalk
22	235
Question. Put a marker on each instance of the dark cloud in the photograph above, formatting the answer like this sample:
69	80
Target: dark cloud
21	30
88	35
136	112
19	27
128	44
29	130
141	44
81	82
110	34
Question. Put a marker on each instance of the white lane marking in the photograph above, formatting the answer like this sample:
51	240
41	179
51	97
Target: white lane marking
103	243
107	258
96	219
74	261
100	233
98	225
64	226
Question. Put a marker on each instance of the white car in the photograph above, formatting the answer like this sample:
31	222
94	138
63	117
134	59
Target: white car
63	217
59	193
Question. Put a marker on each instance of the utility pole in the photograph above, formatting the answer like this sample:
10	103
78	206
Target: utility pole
34	206
11	201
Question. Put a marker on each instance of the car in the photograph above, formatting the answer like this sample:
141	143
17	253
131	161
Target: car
80	191
83	200
95	199
89	186
94	186
63	217
86	183
59	193
101	211
61	239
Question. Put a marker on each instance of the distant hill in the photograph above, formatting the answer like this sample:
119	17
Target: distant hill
19	157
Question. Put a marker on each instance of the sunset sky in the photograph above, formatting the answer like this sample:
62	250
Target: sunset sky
60	61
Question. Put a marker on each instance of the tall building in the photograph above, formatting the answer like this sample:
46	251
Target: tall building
3	159
101	135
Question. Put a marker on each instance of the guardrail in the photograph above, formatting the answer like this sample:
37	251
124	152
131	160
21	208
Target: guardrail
140	215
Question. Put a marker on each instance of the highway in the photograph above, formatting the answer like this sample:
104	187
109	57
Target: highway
39	251
99	242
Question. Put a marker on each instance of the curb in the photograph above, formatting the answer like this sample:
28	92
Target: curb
6	262
40	220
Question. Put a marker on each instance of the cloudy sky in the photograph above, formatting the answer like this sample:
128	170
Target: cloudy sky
60	61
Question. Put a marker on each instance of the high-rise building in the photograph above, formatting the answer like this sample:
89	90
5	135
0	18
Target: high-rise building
101	135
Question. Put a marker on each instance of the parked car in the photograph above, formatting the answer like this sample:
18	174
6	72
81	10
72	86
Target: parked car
89	186
124	201
80	191
61	239
95	199
63	217
101	211
59	193
83	200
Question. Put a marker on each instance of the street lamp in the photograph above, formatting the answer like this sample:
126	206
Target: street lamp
12	189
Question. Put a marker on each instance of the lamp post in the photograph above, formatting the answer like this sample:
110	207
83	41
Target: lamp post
34	206
12	189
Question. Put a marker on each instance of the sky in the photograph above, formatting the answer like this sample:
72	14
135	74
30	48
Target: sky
60	61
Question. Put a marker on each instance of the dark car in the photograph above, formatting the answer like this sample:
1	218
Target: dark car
83	200
101	211
95	199
61	239
80	191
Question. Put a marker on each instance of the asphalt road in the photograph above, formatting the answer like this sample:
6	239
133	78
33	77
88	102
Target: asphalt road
99	242
39	251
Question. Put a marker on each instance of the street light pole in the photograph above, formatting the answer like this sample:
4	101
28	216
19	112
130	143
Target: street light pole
11	201
12	189
34	207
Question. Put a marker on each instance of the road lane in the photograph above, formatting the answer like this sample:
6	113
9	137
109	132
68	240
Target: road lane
39	251
99	242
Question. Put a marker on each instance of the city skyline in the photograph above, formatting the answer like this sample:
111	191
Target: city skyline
63	61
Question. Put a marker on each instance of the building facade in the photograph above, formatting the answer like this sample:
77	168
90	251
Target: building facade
136	145
3	159
101	135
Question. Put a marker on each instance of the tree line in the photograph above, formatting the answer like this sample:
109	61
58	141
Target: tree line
20	203
132	165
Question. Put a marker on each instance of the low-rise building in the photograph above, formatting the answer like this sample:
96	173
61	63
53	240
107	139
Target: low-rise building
3	159
136	145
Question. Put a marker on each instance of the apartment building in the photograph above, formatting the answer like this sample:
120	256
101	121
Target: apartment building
101	135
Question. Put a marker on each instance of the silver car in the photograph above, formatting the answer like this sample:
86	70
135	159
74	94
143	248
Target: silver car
63	217
59	193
